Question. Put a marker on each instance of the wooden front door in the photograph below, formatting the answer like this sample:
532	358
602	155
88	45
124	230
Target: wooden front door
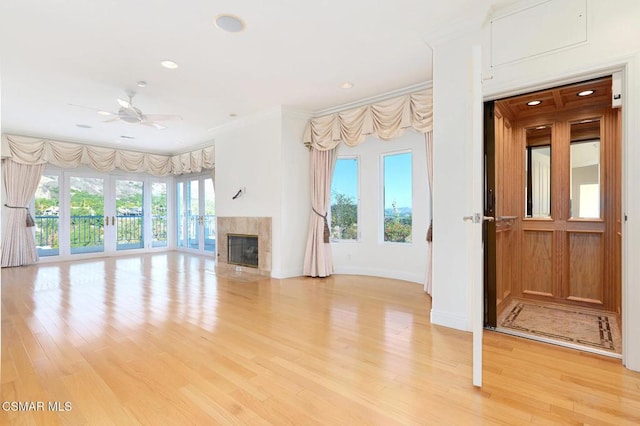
557	197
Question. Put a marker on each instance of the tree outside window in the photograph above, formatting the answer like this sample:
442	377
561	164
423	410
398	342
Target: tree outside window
344	200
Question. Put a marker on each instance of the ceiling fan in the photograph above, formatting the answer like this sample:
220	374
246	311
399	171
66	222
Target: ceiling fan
131	114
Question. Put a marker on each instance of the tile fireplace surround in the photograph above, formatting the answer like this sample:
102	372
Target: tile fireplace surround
260	226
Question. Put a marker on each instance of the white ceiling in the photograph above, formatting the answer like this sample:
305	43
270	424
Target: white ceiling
293	53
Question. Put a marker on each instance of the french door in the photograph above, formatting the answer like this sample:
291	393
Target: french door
86	214
195	204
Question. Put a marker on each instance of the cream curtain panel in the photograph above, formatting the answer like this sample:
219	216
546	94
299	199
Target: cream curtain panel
428	138
317	257
20	182
385	120
27	150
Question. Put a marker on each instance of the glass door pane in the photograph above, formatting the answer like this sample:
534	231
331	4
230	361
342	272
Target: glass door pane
585	170
129	214
538	172
158	214
209	222
86	220
193	214
47	216
182	214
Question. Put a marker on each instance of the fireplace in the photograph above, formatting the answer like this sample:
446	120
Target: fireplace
242	250
230	258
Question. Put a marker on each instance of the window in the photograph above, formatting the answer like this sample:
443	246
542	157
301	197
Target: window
397	197
344	200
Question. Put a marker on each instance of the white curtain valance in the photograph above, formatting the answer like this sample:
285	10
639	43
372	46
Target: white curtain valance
27	150
386	120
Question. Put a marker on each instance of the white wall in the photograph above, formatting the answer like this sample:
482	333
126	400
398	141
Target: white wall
264	153
613	41
369	256
296	196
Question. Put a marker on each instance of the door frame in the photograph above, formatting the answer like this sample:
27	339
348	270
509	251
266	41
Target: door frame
201	177
628	67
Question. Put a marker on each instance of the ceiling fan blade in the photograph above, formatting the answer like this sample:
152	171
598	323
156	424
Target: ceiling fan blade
152	124
124	104
100	111
107	113
162	117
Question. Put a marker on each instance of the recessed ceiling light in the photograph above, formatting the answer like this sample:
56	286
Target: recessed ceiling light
346	85
586	92
142	83
83	126
534	103
169	64
229	23
233	115
541	127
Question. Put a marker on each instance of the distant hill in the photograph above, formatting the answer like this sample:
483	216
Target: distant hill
402	211
49	187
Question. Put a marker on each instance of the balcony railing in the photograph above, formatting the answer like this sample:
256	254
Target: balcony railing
208	227
87	233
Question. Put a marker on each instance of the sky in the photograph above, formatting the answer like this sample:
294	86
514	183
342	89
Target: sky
397	183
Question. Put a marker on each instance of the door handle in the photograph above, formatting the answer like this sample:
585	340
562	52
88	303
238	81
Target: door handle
106	221
113	220
477	218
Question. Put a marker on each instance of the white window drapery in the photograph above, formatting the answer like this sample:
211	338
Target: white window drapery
28	150
20	182
24	158
385	120
317	258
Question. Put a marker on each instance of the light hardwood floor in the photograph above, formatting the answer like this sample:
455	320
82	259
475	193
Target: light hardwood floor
161	340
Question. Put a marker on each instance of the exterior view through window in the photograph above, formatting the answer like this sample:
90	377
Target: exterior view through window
344	200
47	209
397	197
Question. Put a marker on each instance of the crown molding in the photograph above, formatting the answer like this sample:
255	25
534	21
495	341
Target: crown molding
373	99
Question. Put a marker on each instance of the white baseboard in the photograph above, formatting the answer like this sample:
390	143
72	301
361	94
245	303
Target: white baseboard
447	319
384	273
286	273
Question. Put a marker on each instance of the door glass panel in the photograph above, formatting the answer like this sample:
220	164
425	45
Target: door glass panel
47	216
129	214
86	220
538	172
193	213
209	223
158	214
182	214
585	169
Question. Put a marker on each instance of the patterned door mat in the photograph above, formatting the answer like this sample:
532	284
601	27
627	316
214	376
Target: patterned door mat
590	328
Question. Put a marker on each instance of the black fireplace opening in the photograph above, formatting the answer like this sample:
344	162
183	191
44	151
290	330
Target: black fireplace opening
242	250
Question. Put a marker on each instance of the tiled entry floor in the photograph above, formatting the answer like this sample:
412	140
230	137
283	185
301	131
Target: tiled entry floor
580	328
